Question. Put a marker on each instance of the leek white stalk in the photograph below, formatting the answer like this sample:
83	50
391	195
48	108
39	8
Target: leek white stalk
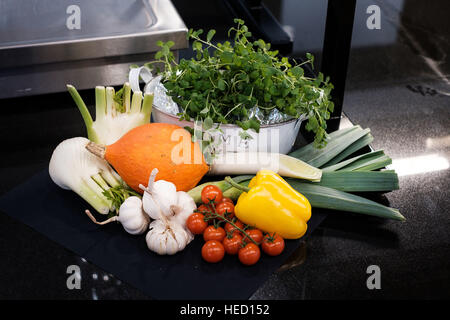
115	114
251	162
74	168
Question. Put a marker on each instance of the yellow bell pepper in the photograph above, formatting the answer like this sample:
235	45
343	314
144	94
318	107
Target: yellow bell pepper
272	205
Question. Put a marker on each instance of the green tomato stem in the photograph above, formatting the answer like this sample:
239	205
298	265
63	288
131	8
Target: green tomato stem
216	215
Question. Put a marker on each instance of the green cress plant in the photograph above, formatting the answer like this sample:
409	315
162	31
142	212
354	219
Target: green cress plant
224	81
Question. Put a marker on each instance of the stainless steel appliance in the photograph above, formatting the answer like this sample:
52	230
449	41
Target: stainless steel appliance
45	44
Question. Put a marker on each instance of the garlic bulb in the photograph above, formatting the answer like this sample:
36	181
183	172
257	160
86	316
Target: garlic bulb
168	233
131	216
167	237
159	196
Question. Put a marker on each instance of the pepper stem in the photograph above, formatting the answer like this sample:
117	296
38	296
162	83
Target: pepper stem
236	185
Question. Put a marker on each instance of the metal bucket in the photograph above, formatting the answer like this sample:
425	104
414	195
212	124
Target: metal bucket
279	137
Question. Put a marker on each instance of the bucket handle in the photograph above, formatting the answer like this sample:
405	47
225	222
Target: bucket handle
299	121
136	74
144	73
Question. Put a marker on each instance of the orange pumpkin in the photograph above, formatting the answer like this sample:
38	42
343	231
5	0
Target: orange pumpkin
164	146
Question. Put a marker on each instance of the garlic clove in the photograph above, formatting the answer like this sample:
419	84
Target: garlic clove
171	245
184	208
150	206
158	197
165	194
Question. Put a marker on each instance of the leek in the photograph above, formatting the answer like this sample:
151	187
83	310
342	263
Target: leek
368	161
369	164
335	145
352	148
338	175
303	152
328	198
360	181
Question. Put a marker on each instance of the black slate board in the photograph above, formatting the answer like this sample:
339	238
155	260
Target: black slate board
58	214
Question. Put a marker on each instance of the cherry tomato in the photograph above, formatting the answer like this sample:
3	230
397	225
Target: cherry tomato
196	223
213	251
255	234
233	244
273	245
231	229
212	233
249	254
226	199
211	193
225	209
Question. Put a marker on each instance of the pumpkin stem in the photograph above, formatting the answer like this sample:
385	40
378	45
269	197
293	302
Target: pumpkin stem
96	149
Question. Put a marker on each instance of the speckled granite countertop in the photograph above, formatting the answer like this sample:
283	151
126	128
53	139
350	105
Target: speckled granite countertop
398	88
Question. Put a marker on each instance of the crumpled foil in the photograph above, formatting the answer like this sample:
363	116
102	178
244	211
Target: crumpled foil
161	100
275	116
256	113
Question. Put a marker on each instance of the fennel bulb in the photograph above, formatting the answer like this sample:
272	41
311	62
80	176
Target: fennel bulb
74	168
114	114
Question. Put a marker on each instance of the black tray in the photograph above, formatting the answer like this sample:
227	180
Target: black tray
58	214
